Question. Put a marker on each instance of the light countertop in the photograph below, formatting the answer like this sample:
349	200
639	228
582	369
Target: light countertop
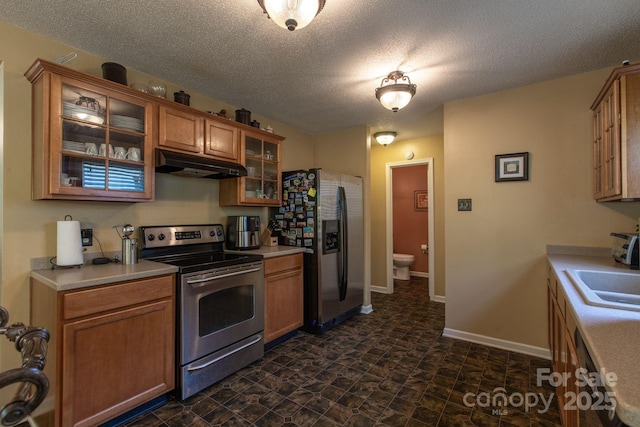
64	279
272	251
611	335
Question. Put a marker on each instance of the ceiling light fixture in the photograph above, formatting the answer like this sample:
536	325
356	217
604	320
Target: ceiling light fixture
385	138
292	14
393	95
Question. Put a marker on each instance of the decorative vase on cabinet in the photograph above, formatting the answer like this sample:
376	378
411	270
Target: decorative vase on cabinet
91	137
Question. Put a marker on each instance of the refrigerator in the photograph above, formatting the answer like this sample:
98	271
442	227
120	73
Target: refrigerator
322	211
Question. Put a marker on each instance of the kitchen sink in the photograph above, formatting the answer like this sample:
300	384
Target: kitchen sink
608	289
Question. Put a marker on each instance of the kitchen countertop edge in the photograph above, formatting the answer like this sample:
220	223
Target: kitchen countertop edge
606	331
89	275
272	251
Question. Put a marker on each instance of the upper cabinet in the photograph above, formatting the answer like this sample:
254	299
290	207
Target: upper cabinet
261	154
184	129
616	136
92	139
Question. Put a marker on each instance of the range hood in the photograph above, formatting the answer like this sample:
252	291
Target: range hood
195	166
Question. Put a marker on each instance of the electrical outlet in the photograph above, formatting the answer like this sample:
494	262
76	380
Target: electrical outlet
464	204
87	236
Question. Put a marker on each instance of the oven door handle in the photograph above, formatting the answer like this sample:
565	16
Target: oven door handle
222	276
211	362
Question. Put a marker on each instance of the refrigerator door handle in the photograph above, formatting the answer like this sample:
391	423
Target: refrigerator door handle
344	252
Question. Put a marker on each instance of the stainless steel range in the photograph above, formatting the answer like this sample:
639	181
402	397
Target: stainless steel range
220	302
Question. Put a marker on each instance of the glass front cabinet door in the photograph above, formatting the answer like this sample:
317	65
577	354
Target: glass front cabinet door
91	142
260	153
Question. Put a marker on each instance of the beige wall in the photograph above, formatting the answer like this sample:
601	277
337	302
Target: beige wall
29	227
495	254
427	147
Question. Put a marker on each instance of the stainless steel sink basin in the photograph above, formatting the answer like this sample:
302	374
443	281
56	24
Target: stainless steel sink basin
608	289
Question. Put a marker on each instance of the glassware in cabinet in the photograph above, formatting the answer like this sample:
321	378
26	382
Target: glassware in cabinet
105	137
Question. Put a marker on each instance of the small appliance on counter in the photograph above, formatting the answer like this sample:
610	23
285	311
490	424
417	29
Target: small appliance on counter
625	249
129	244
243	232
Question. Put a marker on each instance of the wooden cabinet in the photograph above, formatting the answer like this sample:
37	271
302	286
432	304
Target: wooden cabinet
283	295
562	325
92	138
179	129
616	136
112	347
260	153
222	140
184	129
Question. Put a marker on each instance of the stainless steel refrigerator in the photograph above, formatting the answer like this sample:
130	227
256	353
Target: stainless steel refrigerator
323	211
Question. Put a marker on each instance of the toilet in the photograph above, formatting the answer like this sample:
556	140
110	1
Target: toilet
401	263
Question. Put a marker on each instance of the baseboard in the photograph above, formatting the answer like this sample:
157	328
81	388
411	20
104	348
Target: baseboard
439	298
498	343
366	309
380	289
419	274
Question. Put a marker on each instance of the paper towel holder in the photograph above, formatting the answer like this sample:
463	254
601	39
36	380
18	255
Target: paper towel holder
53	260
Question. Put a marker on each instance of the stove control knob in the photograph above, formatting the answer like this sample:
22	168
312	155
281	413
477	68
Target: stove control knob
151	237
212	234
161	236
219	232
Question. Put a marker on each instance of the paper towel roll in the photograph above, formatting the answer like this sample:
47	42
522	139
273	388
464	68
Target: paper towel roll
69	243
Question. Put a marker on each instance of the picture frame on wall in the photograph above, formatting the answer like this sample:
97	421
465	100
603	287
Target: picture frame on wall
512	167
421	200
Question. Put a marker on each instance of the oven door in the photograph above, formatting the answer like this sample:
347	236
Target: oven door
219	308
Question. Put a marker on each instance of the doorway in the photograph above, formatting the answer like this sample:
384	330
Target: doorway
418	204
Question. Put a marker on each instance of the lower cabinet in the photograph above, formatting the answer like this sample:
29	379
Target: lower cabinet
283	295
112	347
564	358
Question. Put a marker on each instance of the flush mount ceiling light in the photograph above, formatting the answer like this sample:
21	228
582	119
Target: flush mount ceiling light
384	138
292	14
393	95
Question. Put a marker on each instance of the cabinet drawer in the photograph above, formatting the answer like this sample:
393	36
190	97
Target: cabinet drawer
96	300
282	263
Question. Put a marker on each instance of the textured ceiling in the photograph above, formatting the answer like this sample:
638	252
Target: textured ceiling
323	77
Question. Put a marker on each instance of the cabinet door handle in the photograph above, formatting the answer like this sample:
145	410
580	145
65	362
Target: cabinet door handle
210	278
235	350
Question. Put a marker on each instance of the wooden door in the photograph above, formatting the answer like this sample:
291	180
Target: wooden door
598	154
222	140
180	130
611	141
115	362
283	296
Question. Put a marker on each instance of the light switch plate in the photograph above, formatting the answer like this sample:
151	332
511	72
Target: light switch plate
464	204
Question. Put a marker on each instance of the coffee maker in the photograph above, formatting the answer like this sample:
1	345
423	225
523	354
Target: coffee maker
243	232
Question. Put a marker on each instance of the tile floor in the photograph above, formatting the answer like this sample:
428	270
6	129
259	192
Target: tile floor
389	368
